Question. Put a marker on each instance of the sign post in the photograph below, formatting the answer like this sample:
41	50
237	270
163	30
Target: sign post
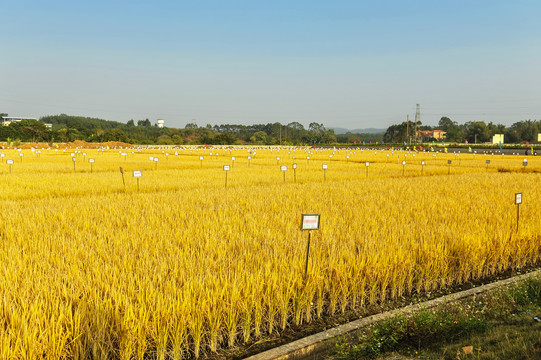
137	174
309	222
122	173
201	160
232	161
524	164
226	169
91	161
249	158
307	160
403	167
10	163
422	166
449	163
156	162
73	158
324	172
295	172
518	201
283	168
367	164
487	162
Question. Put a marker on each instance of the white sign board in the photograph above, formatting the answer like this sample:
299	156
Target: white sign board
9	162
283	168
201	158
294	166
310	222
156	159
324	166
226	167
90	160
518	198
403	163
137	173
367	164
151	158
233	158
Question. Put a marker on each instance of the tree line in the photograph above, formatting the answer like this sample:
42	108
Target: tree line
67	128
472	131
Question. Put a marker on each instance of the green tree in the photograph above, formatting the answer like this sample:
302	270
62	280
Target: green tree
259	137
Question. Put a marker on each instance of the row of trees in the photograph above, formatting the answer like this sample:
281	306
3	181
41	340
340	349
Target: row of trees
472	131
67	128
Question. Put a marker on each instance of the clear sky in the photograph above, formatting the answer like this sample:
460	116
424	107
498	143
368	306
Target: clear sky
352	64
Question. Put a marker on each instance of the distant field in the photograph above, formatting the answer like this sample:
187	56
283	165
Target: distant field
93	267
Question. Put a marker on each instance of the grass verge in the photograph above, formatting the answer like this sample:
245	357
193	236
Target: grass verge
496	325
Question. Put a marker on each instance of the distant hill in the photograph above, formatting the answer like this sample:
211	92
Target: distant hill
338	130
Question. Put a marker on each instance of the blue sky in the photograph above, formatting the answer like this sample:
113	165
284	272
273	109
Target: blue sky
352	64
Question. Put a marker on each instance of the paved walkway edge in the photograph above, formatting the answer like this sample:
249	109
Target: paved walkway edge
311	346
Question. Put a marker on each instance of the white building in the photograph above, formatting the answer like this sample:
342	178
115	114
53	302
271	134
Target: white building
160	122
6	120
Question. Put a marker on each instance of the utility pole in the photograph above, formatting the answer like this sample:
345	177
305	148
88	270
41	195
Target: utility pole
407	128
417	119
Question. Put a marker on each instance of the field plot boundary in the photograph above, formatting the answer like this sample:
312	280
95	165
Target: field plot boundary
311	346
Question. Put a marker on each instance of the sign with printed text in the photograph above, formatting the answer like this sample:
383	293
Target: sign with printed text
90	160
137	173
367	164
21	154
324	166
525	162
518	198
9	162
294	166
226	167
151	158
310	222
283	168
156	159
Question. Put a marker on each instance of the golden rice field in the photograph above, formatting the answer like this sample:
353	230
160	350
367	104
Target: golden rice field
94	268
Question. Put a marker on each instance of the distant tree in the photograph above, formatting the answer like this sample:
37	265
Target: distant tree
224	139
177	140
259	137
144	123
130	123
